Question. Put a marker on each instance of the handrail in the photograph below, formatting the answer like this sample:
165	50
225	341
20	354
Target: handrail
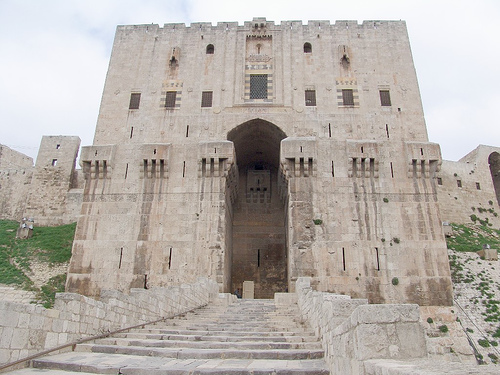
73	344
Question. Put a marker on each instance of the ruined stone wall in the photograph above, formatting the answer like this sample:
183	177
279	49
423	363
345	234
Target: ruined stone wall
52	179
16	170
343	100
467	187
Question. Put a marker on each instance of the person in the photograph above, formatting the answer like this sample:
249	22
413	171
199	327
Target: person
237	293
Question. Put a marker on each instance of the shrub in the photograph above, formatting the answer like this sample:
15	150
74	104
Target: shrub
429	320
396	240
484	343
395	281
470	330
443	328
317	221
386	200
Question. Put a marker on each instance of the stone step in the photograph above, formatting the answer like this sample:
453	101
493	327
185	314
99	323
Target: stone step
139	335
196	353
103	363
210	344
161	331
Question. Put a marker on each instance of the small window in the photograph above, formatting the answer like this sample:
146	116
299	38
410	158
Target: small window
170	99
440	181
310	98
135	99
258	86
58	146
307	48
478	186
206	98
210	49
347	97
54	162
459	183
385	98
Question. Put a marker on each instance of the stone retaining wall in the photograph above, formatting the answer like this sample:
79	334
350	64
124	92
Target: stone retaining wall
353	331
27	329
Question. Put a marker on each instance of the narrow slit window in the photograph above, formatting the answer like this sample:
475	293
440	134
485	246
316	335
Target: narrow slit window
170	99
378	259
329	130
385	98
135	100
333	170
459	183
170	259
184	169
126	171
343	259
131	132
121	256
187	131
387	130
258	86
440	181
392	171
310	96
478	186
347	97
206	98
54	162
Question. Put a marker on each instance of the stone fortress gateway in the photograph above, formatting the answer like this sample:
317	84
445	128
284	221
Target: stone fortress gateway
263	153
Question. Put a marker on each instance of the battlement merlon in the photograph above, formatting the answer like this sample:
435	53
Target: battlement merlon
260	23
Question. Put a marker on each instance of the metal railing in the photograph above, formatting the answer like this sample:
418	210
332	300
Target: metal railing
73	344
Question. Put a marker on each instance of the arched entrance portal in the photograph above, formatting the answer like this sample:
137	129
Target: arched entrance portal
259	215
494	161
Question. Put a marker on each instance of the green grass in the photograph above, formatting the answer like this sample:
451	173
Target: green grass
472	237
50	245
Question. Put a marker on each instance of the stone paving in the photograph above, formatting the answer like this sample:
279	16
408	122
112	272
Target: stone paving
246	337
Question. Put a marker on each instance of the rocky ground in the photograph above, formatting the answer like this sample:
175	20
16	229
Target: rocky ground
476	290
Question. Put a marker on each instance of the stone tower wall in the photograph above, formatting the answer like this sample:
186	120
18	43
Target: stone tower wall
163	182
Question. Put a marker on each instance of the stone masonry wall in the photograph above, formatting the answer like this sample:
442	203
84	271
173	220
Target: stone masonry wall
469	183
26	329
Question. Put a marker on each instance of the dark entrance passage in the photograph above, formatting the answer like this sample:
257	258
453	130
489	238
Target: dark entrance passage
259	216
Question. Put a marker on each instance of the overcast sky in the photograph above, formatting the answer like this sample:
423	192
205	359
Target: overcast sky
54	56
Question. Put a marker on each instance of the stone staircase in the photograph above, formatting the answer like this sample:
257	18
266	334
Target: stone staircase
246	337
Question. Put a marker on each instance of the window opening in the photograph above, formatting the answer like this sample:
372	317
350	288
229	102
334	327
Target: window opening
121	255
422	168
387	130
392	171
347	97
258	49
145	281
187	131
258	86
104	169
310	96
385	98
440	181
184	169
206	98
170	99
210	49
378	259
329	130
170	259
54	162
307	47
58	146
459	183
126	171
131	132
145	168
333	170
478	186
345	62
422	151
135	99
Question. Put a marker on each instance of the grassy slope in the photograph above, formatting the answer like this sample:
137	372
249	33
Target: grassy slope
49	245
